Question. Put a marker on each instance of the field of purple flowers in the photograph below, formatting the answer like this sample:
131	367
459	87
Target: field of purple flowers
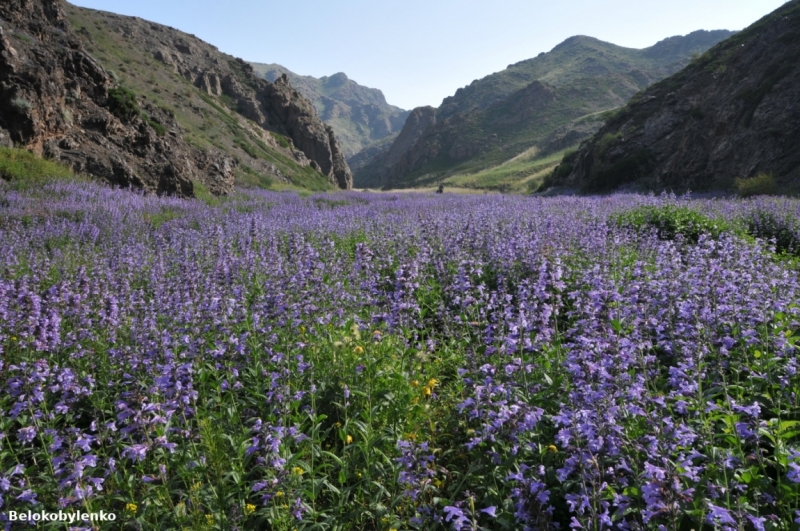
389	362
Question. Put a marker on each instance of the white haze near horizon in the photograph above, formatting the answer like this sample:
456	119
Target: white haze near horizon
420	51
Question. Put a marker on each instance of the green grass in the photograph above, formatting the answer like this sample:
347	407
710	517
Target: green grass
24	170
515	175
762	184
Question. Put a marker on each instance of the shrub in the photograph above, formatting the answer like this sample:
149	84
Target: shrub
67	115
782	229
761	184
605	143
21	104
248	148
122	102
669	221
157	127
282	140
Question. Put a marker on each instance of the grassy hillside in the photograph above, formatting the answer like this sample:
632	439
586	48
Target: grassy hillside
578	59
205	119
521	174
500	116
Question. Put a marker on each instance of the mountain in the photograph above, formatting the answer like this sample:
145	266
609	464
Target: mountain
139	104
733	112
515	111
358	115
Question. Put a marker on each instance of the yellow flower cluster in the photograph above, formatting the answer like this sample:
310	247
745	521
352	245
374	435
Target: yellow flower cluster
428	389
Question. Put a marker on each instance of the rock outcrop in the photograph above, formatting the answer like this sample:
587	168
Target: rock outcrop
380	170
734	112
359	115
58	101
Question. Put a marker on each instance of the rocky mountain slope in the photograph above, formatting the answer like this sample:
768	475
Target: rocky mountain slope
359	115
733	112
497	118
61	97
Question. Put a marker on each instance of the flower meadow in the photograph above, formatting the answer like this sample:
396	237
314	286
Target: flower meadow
392	362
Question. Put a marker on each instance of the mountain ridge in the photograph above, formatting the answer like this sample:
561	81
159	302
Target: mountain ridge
359	115
731	113
115	97
488	122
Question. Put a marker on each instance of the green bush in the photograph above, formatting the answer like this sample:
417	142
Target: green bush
122	102
605	143
247	147
762	184
282	140
157	127
25	170
21	104
782	229
669	221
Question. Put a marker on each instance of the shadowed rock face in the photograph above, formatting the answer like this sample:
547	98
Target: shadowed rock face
57	101
377	172
734	112
359	115
297	118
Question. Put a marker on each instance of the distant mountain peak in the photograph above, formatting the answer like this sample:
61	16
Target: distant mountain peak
337	78
359	115
497	117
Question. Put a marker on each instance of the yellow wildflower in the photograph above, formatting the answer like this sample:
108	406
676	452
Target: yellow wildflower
302	329
349	439
249	508
297	471
414	383
433	382
359	349
552	448
279	494
131	507
426	391
210	519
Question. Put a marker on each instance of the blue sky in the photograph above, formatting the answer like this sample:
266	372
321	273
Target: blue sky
420	51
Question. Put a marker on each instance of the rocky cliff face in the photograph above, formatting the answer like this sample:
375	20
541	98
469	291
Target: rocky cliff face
496	118
359	115
274	106
734	112
58	101
380	171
